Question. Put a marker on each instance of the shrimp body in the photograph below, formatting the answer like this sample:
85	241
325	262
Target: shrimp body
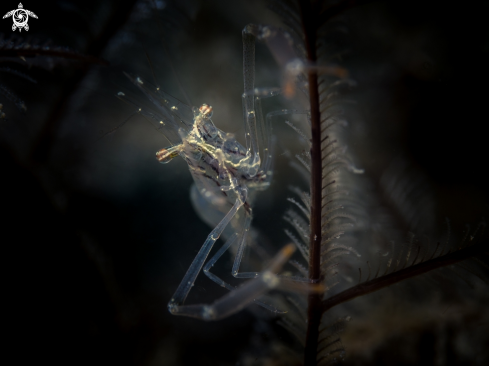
227	176
218	163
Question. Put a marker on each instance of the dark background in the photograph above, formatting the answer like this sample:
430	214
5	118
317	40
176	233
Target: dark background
97	235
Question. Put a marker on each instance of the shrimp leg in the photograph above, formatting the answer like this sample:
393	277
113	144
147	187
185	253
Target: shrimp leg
249	115
175	306
240	297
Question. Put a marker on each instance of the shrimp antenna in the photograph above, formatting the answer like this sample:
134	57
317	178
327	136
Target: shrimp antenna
167	53
149	61
152	70
112	130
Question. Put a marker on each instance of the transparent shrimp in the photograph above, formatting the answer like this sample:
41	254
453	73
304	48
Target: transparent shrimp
226	175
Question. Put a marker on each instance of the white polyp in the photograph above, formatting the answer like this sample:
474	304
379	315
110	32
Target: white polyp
208	313
270	279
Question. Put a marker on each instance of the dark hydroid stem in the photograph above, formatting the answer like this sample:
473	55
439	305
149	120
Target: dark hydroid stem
404	274
314	301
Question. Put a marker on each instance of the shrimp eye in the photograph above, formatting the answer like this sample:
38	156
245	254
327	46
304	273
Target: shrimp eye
206	110
165	155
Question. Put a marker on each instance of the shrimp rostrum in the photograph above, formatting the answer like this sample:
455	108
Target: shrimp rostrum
226	176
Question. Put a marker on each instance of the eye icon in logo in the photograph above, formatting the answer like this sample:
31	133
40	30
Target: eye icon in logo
20	17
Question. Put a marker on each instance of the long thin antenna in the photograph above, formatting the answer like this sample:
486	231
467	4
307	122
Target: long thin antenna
152	70
117	127
163	45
